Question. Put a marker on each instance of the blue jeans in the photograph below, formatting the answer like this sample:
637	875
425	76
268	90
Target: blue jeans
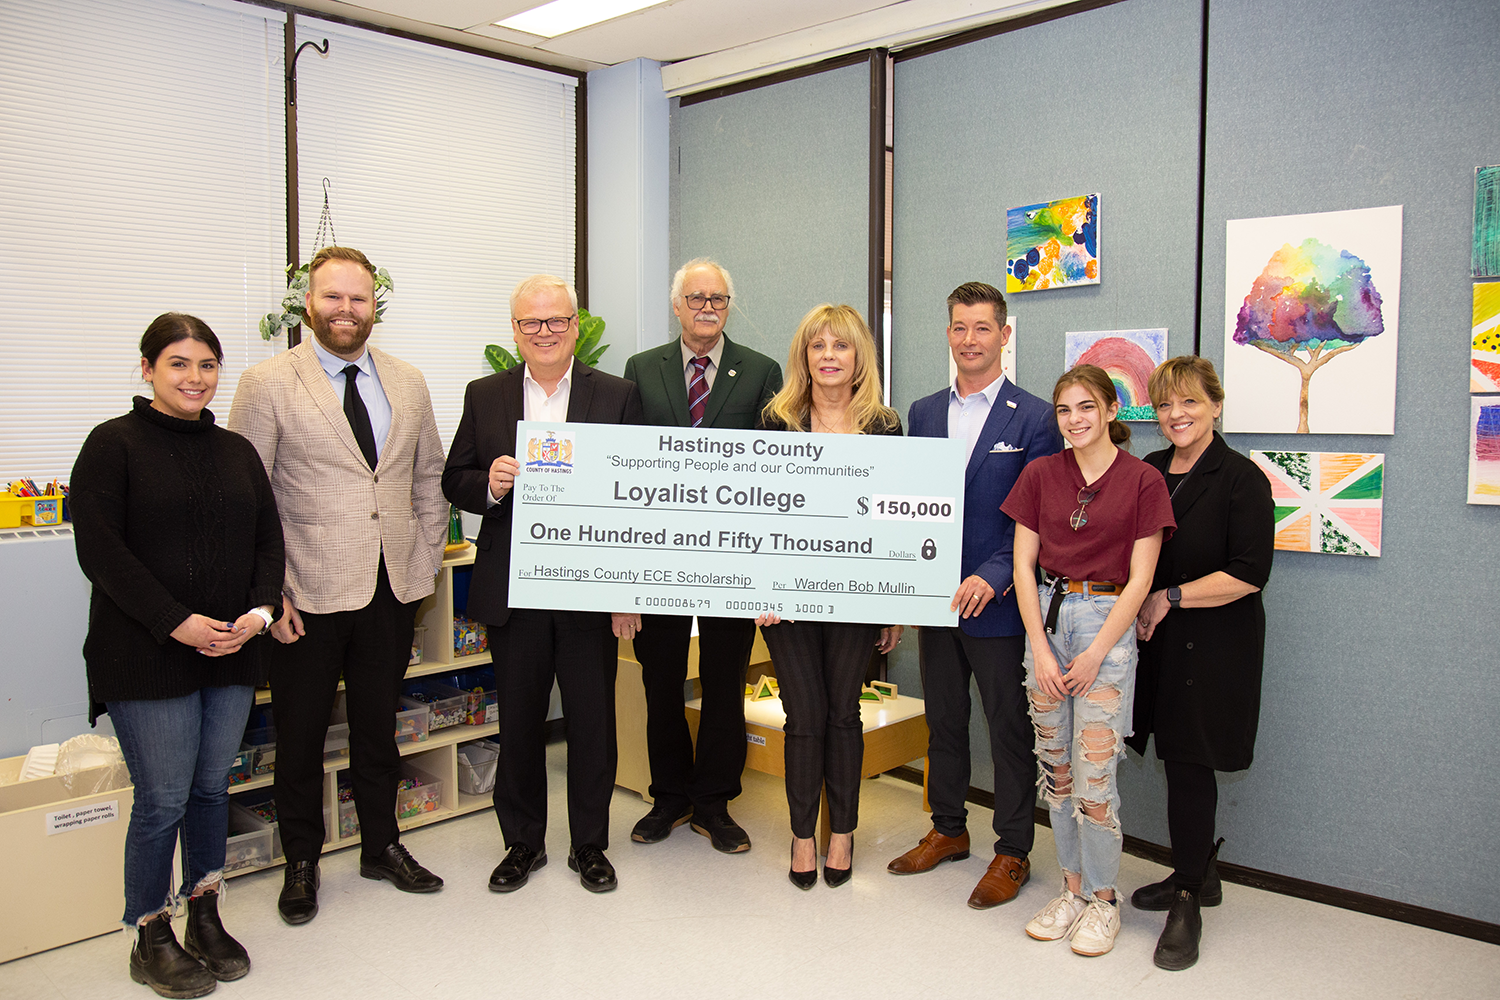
1080	740
179	751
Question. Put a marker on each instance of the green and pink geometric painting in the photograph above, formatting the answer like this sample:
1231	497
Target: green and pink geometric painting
1328	502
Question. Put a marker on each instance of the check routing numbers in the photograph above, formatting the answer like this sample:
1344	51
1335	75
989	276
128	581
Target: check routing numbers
730	523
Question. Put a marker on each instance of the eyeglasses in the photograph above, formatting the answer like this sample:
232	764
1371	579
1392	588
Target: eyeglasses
557	324
699	301
1081	515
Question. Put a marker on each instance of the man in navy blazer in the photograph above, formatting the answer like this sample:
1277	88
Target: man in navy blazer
1005	428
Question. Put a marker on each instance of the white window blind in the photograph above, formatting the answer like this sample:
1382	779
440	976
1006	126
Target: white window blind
142	170
455	172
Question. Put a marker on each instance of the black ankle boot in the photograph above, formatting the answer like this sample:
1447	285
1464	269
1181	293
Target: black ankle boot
1160	895
157	961
205	939
1177	949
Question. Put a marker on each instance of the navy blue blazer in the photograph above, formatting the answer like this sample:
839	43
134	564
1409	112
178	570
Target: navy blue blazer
1020	428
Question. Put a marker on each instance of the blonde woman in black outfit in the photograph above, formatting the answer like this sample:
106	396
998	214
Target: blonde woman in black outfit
1202	633
832	387
176	529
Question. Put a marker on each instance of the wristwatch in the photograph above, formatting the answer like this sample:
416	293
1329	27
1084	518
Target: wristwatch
1174	596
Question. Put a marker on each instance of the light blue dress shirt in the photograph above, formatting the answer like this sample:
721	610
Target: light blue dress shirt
367	385
966	416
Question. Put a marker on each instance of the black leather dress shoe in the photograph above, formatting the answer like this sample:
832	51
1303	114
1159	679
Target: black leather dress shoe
396	865
512	873
595	873
659	823
299	892
724	833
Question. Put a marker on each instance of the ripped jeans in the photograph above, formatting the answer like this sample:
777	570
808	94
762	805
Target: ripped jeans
1081	739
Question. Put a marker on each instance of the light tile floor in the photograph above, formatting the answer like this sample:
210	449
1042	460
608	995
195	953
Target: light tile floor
688	921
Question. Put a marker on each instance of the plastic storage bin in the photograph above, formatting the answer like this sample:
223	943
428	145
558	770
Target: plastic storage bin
336	743
243	767
446	706
249	843
423	792
478	688
262	744
477	764
262	807
411	724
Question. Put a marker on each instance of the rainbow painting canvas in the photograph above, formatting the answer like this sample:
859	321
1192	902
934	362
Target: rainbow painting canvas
1484	449
1052	245
1130	356
1326	501
1484	363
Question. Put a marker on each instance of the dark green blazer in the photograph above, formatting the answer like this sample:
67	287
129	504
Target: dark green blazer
745	382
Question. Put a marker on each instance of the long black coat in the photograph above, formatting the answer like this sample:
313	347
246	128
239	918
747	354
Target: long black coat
1198	683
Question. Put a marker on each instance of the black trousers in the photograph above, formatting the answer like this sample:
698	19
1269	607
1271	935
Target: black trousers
950	657
531	650
1192	800
708	782
821	669
370	648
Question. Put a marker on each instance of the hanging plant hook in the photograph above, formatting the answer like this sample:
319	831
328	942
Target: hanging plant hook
325	221
291	70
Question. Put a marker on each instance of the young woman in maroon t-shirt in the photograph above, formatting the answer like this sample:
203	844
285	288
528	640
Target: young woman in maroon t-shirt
1092	519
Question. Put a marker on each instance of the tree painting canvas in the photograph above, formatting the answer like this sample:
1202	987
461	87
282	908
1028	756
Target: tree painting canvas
1129	356
1484	362
1484	449
1052	245
1328	502
1310	316
1486	257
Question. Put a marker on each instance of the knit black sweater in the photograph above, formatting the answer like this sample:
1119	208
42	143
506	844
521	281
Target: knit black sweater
171	517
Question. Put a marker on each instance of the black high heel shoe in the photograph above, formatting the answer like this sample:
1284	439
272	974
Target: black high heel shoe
803	880
835	877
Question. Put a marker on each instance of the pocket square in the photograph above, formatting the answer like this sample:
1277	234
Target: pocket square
1003	447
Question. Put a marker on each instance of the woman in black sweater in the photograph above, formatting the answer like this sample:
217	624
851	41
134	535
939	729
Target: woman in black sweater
832	386
176	529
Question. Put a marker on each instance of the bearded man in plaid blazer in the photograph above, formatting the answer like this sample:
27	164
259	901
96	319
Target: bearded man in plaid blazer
349	441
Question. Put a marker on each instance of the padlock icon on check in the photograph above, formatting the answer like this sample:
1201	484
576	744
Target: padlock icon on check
929	549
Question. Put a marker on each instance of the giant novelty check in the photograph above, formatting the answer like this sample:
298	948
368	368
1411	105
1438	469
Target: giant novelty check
730	523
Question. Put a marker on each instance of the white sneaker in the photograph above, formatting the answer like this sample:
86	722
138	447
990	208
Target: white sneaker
1055	920
1095	930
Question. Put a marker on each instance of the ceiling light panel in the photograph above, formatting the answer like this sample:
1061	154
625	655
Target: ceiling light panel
562	16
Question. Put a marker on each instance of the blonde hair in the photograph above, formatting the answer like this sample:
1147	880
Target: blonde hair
792	406
1097	383
1186	375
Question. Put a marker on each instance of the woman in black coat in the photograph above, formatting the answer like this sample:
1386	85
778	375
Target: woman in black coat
1202	633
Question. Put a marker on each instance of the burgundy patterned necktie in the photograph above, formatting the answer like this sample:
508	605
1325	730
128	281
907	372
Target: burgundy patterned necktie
698	390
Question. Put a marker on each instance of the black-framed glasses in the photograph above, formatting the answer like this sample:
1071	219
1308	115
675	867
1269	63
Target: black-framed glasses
1081	515
557	324
699	301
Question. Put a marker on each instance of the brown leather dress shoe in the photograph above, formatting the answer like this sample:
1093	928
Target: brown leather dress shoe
930	852
1001	882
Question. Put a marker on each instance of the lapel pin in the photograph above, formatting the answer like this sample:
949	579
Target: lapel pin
732	372
1011	403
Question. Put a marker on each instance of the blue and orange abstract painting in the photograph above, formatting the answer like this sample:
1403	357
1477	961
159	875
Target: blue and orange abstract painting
1484	450
1129	356
1053	244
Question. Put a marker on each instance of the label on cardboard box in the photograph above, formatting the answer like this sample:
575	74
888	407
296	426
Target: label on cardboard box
76	819
759	741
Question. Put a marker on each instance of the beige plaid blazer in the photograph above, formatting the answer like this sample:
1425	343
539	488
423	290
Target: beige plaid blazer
337	515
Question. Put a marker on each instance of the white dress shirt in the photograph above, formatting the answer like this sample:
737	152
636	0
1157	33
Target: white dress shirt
966	415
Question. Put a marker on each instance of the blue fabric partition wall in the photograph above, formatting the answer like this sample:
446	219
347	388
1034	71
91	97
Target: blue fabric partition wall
1381	693
774	184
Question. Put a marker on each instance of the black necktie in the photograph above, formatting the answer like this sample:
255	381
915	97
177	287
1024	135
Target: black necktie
359	417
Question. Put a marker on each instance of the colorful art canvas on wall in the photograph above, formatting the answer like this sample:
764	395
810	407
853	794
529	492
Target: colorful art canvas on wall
1129	356
1486	258
1311	304
1484	449
1052	245
1328	502
1484	363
